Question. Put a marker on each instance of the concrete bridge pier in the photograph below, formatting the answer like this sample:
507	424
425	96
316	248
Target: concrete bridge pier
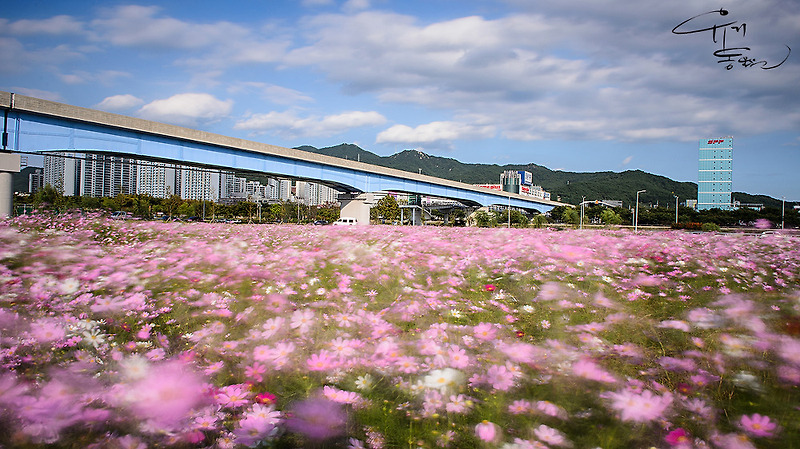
356	206
9	164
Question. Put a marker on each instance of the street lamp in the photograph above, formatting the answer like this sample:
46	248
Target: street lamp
676	208
636	216
783	206
508	211
583	206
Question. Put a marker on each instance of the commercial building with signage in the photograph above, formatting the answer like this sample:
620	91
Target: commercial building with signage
715	174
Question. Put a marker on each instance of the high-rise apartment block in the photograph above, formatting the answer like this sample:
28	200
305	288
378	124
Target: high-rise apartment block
97	175
715	174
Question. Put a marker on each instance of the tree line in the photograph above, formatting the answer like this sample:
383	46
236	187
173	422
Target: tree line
687	217
149	207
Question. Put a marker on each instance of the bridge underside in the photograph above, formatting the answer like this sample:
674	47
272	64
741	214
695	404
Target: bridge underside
40	133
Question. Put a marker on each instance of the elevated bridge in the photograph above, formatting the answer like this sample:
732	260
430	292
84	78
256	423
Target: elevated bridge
33	125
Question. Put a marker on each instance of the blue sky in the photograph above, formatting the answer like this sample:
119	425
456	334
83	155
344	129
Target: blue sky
575	85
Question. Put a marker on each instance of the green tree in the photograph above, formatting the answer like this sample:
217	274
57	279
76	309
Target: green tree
482	219
539	220
329	212
171	205
570	216
609	217
49	197
186	208
386	209
518	219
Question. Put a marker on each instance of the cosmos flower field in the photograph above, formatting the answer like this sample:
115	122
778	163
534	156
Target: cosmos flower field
137	334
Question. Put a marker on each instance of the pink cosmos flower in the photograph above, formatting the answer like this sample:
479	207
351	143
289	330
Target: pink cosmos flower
407	364
675	324
500	377
762	223
485	331
341	396
232	396
551	436
758	425
589	370
519	407
433	402
272	326
321	361
732	441
47	330
487	431
458	357
639	407
458	404
252	430
550	409
342	347
302	320
317	418
165	395
254	372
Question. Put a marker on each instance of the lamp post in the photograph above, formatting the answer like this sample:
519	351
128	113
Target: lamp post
783	207
636	215
676	208
583	206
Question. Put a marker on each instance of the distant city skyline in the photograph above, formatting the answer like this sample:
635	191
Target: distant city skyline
577	86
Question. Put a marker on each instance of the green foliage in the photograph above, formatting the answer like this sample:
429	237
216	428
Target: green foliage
538	221
483	219
386	210
329	212
49	197
710	227
518	219
570	216
609	217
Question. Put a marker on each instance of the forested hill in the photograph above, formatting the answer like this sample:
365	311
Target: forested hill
570	187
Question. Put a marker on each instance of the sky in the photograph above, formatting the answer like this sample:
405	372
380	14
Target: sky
573	85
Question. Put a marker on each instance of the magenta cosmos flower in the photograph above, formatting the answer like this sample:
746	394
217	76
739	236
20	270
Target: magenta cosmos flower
678	437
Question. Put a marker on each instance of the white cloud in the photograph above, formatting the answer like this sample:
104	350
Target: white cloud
119	103
25	58
134	25
56	25
352	6
550	74
80	77
312	3
38	93
187	109
290	125
434	133
627	160
271	92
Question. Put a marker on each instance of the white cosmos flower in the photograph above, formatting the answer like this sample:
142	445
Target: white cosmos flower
443	379
364	382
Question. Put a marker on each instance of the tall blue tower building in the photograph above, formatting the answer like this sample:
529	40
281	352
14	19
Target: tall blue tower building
715	170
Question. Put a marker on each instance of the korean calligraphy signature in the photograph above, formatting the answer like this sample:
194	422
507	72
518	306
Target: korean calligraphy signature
727	55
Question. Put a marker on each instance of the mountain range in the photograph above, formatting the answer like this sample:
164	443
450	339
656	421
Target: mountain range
567	187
